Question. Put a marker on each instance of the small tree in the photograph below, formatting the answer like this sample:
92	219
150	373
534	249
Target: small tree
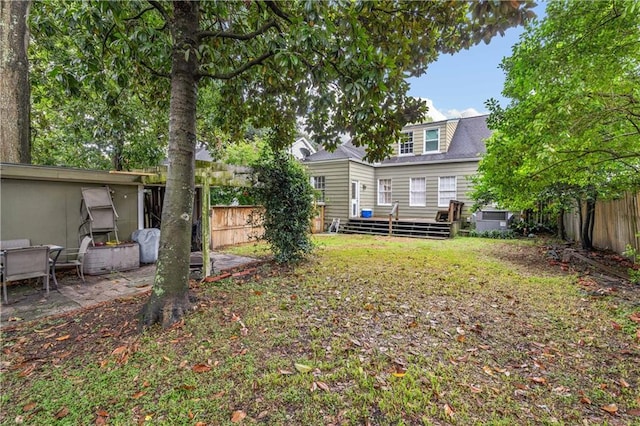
282	187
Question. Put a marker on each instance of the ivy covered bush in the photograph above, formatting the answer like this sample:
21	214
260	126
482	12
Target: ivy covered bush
282	187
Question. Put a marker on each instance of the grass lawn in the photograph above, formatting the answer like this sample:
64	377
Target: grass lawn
371	331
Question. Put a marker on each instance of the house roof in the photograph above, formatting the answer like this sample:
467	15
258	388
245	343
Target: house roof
346	150
467	143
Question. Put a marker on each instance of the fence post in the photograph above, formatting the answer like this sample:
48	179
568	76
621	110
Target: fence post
206	228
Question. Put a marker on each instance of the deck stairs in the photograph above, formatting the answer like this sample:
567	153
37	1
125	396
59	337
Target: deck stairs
399	228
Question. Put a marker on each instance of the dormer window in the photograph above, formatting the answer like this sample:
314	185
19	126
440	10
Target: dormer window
406	143
431	140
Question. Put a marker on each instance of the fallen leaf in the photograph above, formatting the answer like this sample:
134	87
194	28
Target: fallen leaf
238	416
30	406
201	424
635	317
624	383
201	368
302	368
634	412
585	400
487	370
610	408
368	307
63	412
616	326
285	372
475	389
323	386
399	374
61	338
138	394
119	350
102	413
539	380
448	410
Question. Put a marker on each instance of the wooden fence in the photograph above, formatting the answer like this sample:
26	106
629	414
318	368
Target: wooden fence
617	223
230	225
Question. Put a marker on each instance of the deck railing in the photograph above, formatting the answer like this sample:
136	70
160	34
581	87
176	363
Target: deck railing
394	210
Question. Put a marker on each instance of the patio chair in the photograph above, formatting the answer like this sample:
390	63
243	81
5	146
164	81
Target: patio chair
23	263
98	213
78	253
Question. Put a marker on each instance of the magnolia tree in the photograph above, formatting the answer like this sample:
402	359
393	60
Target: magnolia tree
342	65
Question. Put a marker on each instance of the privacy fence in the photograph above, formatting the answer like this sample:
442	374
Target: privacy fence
617	223
233	225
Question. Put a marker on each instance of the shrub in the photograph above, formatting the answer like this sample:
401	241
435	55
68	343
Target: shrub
282	186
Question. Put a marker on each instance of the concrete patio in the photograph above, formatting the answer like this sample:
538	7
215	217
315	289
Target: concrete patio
28	301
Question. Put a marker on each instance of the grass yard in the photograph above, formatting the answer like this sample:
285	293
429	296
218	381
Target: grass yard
372	331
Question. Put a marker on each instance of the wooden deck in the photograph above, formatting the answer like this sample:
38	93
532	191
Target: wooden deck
405	227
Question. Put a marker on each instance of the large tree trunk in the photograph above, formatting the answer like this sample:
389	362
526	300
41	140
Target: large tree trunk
562	232
15	146
588	223
169	298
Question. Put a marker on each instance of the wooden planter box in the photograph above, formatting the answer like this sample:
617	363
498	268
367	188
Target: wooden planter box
106	259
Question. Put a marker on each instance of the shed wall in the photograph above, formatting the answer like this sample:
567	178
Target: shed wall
48	212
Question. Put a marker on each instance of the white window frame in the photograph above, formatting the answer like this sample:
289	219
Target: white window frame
437	140
417	193
406	142
315	180
382	193
447	191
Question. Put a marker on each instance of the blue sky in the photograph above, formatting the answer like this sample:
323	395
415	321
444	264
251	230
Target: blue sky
455	83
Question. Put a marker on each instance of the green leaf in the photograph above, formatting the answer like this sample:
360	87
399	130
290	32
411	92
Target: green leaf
302	368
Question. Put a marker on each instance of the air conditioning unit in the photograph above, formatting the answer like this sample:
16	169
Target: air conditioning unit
491	220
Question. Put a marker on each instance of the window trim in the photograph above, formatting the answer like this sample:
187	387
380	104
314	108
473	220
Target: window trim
424	143
380	192
440	190
423	191
322	191
410	137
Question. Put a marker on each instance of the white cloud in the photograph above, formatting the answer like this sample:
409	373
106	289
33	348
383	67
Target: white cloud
469	112
433	112
438	115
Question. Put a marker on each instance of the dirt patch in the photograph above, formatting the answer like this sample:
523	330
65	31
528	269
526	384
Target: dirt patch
88	332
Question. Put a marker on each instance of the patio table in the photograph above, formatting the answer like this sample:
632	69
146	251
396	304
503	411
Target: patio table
54	251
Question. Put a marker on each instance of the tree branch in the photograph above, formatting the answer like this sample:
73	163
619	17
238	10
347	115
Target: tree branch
156	5
228	76
153	71
139	15
202	35
276	9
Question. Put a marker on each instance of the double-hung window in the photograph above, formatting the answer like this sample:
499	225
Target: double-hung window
431	140
418	192
384	192
319	185
446	190
406	143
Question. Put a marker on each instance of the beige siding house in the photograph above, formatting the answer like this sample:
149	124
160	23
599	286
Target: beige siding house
431	165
